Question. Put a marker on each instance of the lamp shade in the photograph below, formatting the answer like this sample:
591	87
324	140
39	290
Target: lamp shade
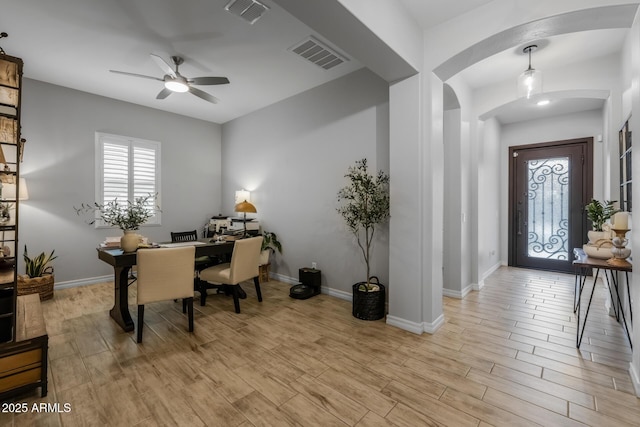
529	83
243	195
9	191
245	207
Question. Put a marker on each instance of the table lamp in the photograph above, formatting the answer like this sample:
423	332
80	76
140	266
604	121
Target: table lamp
245	207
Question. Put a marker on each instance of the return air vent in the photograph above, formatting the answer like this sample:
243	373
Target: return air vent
249	10
318	53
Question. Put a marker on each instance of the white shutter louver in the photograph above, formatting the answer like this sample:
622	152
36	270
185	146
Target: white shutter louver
127	168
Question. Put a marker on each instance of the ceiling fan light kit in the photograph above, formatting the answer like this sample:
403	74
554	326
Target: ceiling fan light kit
530	81
176	85
176	82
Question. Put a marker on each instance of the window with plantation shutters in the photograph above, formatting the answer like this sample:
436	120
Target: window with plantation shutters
127	168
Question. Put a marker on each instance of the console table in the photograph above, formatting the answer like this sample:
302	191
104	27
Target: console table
582	264
123	261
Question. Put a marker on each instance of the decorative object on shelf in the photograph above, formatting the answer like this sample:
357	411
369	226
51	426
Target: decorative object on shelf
245	207
530	81
600	244
598	213
127	217
620	252
5	215
39	275
365	205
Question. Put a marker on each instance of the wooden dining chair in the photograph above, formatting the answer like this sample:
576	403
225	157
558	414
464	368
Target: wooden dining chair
243	266
165	274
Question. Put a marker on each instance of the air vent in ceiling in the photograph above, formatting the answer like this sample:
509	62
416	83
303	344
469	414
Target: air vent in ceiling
249	10
318	53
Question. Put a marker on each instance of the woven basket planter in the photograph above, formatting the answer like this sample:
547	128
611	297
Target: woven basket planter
369	305
36	285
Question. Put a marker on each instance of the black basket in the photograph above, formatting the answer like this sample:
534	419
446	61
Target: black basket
369	305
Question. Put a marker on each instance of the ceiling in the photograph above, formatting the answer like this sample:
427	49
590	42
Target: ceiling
74	43
554	52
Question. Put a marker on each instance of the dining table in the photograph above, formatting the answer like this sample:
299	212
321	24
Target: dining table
122	262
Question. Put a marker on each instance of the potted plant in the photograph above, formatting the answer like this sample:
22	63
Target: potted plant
364	206
127	216
598	213
39	275
270	244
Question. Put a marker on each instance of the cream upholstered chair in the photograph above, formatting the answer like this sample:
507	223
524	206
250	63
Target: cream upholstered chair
165	274
243	266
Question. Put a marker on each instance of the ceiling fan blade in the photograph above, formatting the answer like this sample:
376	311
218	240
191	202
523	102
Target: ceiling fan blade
136	75
166	68
204	95
208	80
164	93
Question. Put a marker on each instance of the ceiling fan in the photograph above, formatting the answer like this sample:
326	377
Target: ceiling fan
176	82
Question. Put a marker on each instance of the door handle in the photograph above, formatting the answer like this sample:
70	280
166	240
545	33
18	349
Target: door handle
519	222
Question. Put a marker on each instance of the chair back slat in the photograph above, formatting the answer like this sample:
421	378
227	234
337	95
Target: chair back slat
184	236
245	259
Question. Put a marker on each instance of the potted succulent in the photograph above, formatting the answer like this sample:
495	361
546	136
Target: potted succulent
364	206
127	216
39	275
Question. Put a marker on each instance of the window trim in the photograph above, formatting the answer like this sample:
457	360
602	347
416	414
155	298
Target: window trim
130	142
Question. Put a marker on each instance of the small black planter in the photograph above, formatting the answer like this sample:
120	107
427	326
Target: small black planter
369	305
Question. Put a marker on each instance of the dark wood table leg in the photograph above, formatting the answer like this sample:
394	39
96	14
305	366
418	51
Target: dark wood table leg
120	311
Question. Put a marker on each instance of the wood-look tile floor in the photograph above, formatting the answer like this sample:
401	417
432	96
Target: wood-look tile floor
505	356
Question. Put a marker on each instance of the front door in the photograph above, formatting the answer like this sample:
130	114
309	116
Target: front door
550	185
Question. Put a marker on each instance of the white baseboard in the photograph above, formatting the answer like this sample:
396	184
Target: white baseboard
477	286
83	282
406	325
347	296
416	328
284	279
635	380
491	270
457	294
432	327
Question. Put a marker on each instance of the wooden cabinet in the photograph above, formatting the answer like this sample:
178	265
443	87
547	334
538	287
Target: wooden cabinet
23	336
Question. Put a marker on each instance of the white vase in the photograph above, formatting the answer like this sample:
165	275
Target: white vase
129	242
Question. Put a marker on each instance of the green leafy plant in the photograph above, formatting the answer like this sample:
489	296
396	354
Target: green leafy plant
365	205
270	242
36	267
126	216
598	213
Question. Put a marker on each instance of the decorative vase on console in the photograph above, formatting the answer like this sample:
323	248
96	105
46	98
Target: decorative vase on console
600	238
600	242
129	241
128	216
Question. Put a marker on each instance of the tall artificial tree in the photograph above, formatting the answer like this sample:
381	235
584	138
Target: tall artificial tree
364	205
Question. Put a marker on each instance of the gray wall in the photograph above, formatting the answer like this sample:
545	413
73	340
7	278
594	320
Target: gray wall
59	125
293	155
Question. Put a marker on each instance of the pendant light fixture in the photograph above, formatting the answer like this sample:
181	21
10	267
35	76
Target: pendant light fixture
530	81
